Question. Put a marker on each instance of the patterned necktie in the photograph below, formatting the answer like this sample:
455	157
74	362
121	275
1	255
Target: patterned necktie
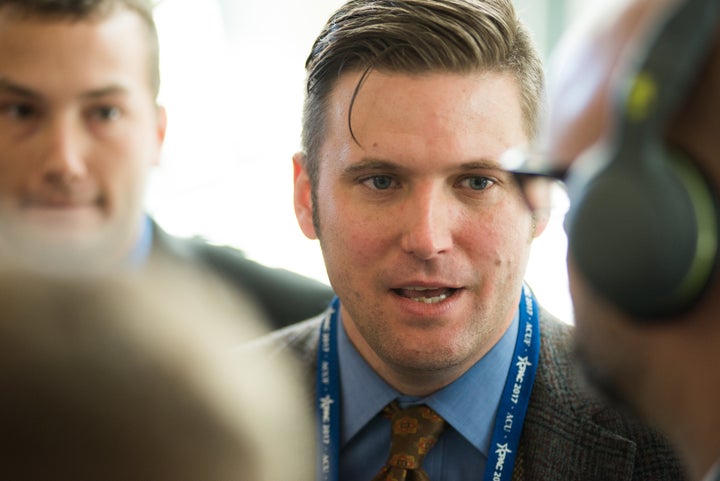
414	431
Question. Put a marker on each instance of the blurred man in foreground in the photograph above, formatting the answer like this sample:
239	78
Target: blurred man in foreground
80	130
114	378
633	130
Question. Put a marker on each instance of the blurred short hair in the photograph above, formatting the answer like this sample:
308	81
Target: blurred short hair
130	377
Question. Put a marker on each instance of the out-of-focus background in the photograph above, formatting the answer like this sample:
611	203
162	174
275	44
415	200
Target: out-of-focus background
232	82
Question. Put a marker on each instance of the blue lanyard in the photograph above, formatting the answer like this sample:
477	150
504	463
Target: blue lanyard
516	394
328	396
510	416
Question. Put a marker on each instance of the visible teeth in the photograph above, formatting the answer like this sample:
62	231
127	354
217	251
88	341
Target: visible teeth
430	300
427	295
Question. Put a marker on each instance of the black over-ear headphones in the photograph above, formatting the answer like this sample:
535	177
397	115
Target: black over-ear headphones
643	222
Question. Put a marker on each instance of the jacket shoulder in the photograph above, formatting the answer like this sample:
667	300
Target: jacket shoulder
298	341
284	296
572	433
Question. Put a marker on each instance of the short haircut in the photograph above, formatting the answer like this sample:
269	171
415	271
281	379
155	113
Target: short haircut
417	37
79	10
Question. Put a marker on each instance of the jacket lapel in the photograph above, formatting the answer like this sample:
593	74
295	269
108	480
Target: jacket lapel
557	446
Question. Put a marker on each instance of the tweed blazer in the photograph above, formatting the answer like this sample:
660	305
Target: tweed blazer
283	297
568	435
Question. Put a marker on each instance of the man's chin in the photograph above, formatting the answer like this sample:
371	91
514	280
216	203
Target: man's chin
62	220
58	249
58	259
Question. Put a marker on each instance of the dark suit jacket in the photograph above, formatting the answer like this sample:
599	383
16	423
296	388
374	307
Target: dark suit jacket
283	296
568	435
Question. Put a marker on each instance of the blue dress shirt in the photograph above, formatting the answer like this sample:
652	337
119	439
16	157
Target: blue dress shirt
469	406
141	249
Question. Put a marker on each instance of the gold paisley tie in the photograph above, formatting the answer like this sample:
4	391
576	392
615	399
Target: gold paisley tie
414	431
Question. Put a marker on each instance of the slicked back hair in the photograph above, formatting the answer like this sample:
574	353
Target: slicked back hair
417	37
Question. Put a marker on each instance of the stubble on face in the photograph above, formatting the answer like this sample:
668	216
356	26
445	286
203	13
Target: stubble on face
428	135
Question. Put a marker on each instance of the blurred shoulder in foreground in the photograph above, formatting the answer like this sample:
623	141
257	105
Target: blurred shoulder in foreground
127	377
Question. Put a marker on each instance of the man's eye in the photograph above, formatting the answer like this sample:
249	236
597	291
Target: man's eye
379	182
106	113
478	183
18	111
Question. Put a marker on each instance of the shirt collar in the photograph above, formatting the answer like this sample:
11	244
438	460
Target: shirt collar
469	404
363	392
141	250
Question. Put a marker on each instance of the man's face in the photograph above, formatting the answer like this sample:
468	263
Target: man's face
425	238
79	132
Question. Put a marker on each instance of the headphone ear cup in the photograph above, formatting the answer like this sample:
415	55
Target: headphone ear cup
644	233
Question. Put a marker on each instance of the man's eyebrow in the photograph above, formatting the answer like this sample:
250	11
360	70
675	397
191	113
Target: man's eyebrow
16	89
370	164
114	89
485	164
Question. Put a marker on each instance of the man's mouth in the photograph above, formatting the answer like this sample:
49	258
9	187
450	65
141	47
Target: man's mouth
427	295
55	202
57	212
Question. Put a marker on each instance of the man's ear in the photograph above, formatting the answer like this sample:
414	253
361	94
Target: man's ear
160	127
538	196
302	196
541	220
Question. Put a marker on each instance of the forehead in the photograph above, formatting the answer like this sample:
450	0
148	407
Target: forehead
52	55
430	113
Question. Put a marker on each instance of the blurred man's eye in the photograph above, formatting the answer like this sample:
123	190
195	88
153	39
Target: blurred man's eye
106	113
17	111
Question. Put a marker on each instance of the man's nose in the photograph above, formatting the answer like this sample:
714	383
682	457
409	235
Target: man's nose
427	222
62	156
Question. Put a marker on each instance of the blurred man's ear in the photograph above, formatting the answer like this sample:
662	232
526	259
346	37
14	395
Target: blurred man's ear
541	220
538	196
161	127
302	196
